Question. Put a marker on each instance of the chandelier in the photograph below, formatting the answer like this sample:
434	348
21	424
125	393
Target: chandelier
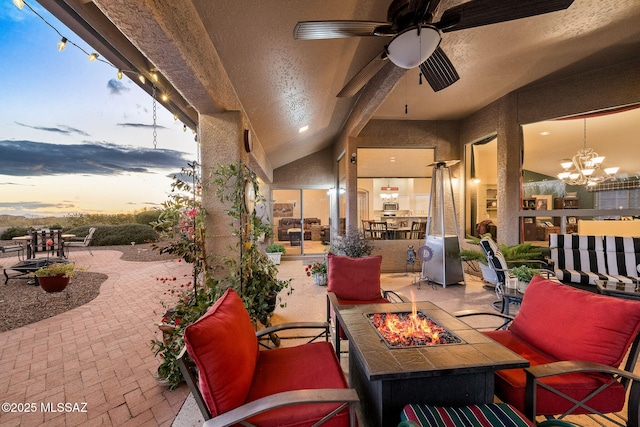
584	167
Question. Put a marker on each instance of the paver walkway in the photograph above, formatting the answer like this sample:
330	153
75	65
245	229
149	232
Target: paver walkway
98	354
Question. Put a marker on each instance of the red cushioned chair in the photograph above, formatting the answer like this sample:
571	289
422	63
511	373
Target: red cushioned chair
239	384
576	342
354	281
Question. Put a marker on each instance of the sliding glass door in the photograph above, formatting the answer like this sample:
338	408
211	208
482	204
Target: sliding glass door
301	220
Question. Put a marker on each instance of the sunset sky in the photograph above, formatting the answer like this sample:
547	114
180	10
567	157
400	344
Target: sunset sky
74	138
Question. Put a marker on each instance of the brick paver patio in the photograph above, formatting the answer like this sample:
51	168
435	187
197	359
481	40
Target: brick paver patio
98	354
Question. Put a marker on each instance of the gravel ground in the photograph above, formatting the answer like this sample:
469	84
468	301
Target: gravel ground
22	304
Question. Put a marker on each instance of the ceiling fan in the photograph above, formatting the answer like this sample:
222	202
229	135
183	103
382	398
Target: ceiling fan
415	38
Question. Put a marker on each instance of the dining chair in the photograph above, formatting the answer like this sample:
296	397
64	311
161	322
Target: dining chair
85	243
379	230
418	229
366	229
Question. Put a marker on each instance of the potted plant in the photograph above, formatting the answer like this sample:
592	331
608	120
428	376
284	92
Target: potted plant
55	277
319	272
275	251
471	255
352	244
524	274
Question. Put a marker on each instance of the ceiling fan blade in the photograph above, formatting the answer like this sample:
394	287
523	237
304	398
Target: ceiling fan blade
476	13
424	10
317	30
439	71
363	76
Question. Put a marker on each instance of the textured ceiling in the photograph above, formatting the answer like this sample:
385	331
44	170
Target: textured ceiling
210	50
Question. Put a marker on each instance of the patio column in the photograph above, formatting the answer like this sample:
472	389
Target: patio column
220	137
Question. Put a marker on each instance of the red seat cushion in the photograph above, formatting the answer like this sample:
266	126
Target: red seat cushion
308	366
354	278
510	383
572	324
224	346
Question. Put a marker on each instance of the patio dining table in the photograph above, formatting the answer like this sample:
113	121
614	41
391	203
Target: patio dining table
37	242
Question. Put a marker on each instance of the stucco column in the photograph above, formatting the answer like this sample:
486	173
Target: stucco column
221	141
509	170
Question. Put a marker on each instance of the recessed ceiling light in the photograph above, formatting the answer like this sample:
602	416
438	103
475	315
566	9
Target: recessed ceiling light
392	159
545	133
303	129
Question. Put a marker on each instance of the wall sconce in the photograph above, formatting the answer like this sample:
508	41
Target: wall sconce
353	158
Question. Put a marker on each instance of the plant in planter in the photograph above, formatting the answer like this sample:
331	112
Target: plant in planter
55	277
275	251
319	272
352	244
520	254
524	274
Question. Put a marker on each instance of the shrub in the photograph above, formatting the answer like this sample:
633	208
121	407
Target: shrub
109	235
12	232
147	217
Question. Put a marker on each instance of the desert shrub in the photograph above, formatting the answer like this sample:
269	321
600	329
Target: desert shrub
110	235
12	232
147	217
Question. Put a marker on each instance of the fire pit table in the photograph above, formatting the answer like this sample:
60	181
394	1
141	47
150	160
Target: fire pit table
457	371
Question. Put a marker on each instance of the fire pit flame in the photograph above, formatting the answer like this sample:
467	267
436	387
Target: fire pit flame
413	329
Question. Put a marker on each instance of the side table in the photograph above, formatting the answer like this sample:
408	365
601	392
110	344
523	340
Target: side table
619	289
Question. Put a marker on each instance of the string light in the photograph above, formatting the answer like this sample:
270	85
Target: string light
93	56
62	44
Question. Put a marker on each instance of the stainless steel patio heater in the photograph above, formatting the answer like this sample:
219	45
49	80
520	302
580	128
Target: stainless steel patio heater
443	264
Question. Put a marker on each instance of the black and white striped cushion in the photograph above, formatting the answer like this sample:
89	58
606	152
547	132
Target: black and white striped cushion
578	259
622	257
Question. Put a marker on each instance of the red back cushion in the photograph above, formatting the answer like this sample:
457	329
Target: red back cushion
223	345
572	324
354	278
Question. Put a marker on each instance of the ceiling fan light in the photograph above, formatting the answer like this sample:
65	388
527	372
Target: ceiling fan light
413	46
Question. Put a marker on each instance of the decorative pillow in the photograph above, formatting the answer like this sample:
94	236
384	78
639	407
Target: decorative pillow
223	345
572	324
354	278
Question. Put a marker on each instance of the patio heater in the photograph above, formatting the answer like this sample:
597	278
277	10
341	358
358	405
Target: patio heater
443	265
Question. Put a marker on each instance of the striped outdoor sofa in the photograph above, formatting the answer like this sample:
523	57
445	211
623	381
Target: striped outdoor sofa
584	259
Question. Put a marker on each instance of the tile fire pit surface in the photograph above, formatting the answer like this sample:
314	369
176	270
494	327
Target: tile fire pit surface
388	378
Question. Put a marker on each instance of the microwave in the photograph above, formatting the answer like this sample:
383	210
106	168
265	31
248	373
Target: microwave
389	206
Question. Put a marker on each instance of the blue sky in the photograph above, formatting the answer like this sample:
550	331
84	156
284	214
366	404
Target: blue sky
74	138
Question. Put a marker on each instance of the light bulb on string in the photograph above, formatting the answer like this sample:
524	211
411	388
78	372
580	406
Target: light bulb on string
62	44
18	3
119	74
175	117
184	128
142	79
93	56
164	97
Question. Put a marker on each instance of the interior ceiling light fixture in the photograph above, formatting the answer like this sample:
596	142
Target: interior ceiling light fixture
583	168
413	46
